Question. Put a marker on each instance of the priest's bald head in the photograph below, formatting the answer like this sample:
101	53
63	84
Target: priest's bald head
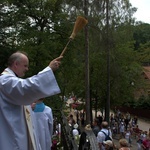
18	62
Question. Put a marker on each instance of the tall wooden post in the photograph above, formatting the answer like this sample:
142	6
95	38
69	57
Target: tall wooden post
107	109
87	80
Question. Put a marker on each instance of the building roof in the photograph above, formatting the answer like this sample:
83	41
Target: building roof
147	71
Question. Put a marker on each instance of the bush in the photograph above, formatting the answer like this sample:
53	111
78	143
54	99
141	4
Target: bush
141	103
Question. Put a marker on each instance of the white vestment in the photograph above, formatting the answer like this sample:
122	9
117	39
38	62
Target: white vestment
14	93
44	122
32	128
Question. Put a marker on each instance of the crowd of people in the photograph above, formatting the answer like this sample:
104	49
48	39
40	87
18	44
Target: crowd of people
123	128
74	128
127	127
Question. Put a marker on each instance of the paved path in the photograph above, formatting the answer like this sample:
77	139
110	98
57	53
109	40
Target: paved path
144	124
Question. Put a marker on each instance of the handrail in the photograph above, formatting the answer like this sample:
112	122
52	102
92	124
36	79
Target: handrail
93	140
87	139
73	145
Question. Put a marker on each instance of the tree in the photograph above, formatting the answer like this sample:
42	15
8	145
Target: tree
141	34
121	47
42	28
142	42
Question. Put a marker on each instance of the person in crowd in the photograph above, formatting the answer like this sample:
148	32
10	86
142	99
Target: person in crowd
77	117
140	139
135	120
123	144
136	131
56	134
15	93
44	122
121	129
126	121
102	134
118	113
128	116
76	133
114	129
111	117
149	132
71	121
146	143
88	127
82	115
128	136
100	119
112	120
108	145
75	130
122	118
33	105
95	126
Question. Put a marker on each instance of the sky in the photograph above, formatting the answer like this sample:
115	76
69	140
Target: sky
143	10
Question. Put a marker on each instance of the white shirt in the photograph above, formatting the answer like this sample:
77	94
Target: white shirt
127	135
122	128
75	132
44	121
101	136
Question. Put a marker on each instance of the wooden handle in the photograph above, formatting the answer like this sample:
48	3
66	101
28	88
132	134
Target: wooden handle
64	50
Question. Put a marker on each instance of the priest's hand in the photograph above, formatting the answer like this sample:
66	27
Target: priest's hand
54	64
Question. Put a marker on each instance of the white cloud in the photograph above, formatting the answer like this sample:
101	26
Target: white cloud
143	10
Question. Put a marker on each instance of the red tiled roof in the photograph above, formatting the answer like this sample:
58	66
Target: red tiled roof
147	71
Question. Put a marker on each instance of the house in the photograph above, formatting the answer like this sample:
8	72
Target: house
145	90
146	72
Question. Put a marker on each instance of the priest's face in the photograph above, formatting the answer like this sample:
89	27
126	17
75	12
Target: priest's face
22	66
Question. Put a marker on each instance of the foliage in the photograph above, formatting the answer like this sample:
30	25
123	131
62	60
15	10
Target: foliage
144	53
55	102
141	103
141	34
42	29
123	69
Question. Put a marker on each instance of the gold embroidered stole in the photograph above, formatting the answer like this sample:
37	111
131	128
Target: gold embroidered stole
32	144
